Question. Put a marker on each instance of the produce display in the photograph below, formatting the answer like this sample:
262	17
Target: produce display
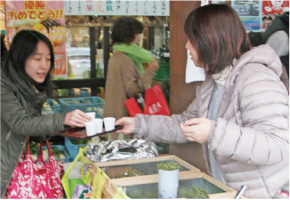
81	141
168	166
51	106
196	193
34	150
57	154
130	173
86	104
150	191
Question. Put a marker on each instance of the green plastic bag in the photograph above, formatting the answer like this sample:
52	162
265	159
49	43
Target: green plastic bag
70	184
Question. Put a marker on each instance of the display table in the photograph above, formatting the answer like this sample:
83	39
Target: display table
146	185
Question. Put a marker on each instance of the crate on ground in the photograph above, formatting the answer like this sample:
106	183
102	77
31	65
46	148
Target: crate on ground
72	145
58	151
85	104
163	73
51	106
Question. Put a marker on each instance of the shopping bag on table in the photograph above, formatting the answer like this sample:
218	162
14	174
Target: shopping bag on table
36	180
153	104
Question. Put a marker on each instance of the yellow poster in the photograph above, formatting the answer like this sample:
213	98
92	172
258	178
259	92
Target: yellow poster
46	17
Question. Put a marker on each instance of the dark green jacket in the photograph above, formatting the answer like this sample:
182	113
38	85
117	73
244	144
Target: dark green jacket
21	117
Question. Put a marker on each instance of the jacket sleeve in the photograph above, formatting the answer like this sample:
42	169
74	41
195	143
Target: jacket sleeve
262	135
134	82
160	128
15	116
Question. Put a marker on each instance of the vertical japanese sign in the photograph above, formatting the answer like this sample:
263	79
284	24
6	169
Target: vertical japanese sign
272	8
46	17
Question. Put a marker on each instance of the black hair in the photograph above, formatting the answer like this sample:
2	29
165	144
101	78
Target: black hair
23	45
3	48
124	30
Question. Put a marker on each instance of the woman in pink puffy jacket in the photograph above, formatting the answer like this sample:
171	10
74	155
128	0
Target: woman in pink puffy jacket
241	111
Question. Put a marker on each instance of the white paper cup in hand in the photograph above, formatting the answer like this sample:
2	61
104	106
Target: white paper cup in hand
109	123
99	125
92	115
90	128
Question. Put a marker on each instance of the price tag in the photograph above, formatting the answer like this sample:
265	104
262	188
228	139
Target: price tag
98	184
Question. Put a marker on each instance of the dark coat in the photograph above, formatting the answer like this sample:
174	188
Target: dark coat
21	117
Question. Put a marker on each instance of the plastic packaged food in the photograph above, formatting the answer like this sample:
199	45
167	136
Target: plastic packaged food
121	150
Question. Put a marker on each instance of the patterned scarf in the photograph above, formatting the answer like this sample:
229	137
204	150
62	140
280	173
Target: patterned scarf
221	77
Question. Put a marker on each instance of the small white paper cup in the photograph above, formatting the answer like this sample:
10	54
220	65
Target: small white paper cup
92	115
99	125
90	128
109	123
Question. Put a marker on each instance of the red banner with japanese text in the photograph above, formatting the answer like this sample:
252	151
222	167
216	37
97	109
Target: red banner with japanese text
270	9
46	17
275	7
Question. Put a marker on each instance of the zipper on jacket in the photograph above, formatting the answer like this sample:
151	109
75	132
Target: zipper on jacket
198	101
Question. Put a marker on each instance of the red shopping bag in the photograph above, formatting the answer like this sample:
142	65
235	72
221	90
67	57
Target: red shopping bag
154	103
36	180
132	107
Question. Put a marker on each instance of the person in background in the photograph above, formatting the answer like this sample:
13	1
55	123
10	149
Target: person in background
241	111
277	36
86	40
126	76
264	22
25	83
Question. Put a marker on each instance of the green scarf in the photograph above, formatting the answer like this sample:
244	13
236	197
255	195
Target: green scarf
136	53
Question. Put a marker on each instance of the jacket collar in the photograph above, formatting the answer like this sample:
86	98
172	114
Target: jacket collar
27	89
263	54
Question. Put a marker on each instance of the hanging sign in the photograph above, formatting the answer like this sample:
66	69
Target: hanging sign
250	13
270	9
117	7
46	17
275	7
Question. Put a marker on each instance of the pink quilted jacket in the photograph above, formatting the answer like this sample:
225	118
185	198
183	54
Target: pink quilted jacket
250	138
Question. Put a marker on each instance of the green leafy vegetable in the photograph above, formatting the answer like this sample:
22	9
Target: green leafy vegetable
169	166
196	193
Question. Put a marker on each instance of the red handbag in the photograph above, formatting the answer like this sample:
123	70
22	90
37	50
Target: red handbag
154	104
36	180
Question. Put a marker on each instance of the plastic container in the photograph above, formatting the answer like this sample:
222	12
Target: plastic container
59	148
86	104
137	188
163	73
168	182
73	149
51	106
